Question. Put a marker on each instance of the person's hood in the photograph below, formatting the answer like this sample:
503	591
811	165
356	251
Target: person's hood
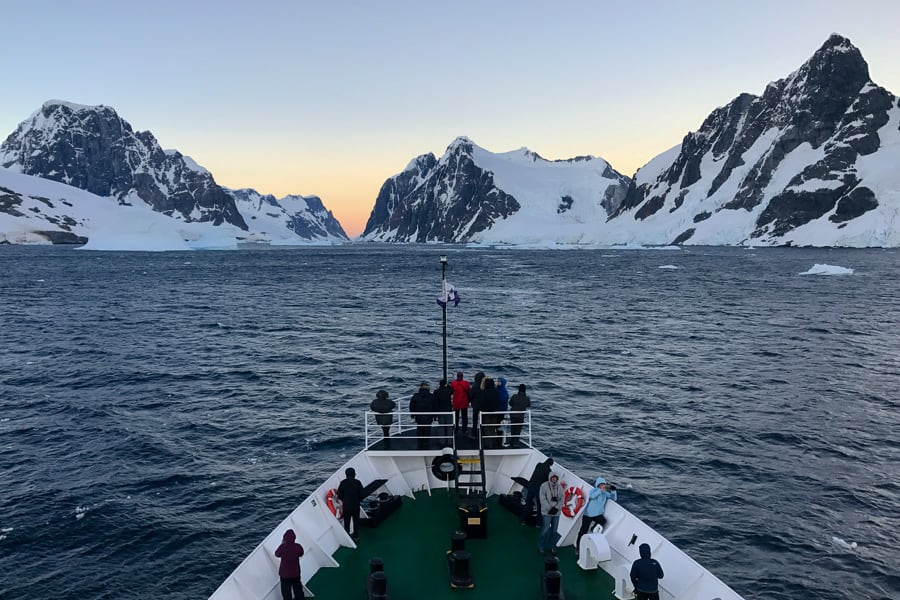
644	549
599	481
552	475
289	536
502	382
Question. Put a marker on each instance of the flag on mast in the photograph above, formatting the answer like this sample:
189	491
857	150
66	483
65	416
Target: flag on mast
448	294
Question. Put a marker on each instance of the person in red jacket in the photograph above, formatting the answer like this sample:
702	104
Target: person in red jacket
289	571
460	402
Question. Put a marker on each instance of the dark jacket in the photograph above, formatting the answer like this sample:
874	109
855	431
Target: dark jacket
289	552
645	571
443	399
519	402
540	474
385	406
490	399
475	391
350	493
422	402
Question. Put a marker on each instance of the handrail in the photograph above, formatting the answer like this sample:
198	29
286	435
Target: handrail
499	431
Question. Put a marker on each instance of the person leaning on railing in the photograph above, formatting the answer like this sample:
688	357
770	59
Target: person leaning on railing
422	405
518	404
384	406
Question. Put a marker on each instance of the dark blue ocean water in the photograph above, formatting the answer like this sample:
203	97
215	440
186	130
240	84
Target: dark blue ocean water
161	413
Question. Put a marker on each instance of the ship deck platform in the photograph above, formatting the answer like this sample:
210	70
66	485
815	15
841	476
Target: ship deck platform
413	544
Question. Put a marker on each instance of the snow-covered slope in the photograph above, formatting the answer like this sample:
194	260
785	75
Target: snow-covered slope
91	148
473	195
290	220
40	211
813	161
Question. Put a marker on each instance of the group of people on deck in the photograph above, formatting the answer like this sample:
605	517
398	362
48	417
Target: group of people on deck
483	394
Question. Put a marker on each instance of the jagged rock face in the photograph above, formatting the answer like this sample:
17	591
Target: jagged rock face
472	195
439	201
304	216
828	111
92	148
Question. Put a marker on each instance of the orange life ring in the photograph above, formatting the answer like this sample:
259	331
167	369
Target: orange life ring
334	503
575	496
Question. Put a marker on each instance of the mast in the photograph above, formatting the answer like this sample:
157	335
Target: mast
444	308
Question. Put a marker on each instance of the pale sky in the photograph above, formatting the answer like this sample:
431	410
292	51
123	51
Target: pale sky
333	97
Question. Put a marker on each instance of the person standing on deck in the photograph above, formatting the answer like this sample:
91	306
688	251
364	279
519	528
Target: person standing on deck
422	402
596	505
475	394
289	570
350	493
443	403
551	502
540	474
503	408
460	402
490	404
518	404
384	406
645	575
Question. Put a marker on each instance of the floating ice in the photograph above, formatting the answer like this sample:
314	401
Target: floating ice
669	267
840	543
80	511
818	269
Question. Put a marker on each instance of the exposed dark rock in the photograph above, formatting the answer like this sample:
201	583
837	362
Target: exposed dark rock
92	148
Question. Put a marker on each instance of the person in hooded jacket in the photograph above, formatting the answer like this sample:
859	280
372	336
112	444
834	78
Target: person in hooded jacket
518	404
460	402
645	575
289	570
551	494
351	494
596	505
539	475
384	406
422	402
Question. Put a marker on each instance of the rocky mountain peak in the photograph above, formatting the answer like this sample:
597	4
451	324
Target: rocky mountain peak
92	148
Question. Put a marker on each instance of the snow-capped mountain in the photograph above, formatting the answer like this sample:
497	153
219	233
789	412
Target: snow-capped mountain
284	220
472	195
813	161
92	149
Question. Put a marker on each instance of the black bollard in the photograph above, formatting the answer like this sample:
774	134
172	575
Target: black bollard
459	569
552	585
376	564
457	541
551	563
377	586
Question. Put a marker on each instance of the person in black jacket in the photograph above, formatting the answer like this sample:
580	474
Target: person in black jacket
518	404
350	493
645	575
475	395
383	405
490	405
540	474
443	402
422	402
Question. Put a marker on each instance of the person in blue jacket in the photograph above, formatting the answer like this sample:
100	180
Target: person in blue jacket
596	505
645	575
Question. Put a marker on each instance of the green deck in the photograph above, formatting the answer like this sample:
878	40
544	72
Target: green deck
413	543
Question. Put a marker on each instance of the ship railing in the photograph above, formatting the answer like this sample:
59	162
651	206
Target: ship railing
500	429
439	435
505	429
